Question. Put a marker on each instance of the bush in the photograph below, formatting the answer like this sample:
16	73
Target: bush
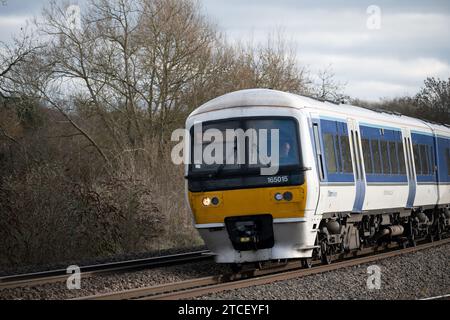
48	218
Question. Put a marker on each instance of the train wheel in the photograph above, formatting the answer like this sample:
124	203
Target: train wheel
439	233
439	229
325	253
412	236
236	267
307	263
404	244
412	240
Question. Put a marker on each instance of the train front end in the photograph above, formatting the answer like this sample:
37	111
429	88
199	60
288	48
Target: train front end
247	183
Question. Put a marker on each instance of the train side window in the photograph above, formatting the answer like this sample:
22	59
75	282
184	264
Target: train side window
401	157
385	157
367	156
376	156
330	153
338	152
346	155
393	157
448	161
428	154
318	150
425	159
417	162
433	160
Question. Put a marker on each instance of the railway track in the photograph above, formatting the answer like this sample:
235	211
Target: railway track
60	275
443	297
213	284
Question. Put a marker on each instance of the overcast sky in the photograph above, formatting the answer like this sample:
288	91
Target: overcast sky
411	43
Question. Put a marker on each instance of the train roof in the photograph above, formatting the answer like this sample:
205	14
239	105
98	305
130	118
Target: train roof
274	98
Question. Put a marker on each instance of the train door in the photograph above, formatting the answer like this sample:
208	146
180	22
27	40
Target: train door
357	158
317	147
436	165
412	179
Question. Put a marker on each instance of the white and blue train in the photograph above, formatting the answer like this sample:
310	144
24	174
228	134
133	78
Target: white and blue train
355	177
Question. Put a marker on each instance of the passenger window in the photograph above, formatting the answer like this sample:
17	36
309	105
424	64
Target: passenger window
448	161
417	159
367	156
376	156
433	162
425	159
393	157
346	155
385	157
338	153
330	153
401	158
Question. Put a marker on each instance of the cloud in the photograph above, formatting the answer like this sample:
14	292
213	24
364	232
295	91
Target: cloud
380	68
365	76
376	90
411	44
13	21
20	7
401	34
409	47
10	25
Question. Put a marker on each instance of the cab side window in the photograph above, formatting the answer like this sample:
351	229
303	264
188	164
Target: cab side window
330	152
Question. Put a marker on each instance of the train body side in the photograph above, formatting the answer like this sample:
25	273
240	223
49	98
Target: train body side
359	167
427	172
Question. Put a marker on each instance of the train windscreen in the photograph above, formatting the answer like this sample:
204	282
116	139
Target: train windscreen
236	150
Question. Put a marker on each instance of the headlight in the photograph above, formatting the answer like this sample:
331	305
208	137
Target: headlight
206	202
215	201
278	197
288	196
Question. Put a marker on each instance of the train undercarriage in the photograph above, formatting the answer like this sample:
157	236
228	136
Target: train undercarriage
342	234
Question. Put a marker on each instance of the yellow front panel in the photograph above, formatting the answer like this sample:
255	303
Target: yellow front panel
245	202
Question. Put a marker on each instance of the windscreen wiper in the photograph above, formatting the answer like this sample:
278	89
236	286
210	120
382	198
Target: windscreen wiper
213	174
217	171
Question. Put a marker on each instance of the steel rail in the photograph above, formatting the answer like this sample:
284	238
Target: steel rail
60	275
441	297
213	284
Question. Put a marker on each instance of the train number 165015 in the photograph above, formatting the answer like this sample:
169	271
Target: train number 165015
278	179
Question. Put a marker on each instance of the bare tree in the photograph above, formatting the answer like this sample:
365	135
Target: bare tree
11	57
17	104
328	88
433	100
132	62
273	64
177	42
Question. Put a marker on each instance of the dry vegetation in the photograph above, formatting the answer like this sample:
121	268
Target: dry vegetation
86	116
